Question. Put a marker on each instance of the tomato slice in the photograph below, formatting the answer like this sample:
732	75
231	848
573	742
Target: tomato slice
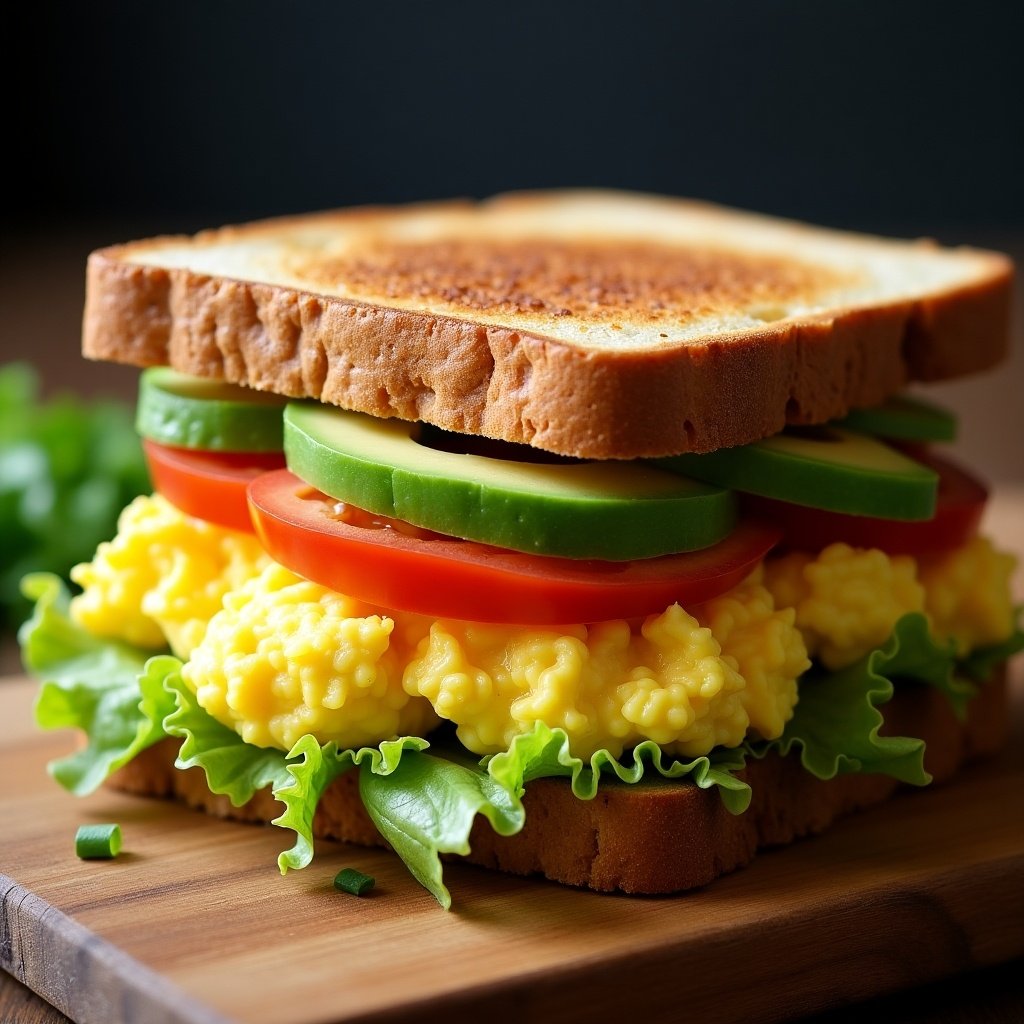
208	485
958	509
442	576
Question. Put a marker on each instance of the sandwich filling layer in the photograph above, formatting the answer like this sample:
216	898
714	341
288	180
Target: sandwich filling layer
284	657
313	632
275	657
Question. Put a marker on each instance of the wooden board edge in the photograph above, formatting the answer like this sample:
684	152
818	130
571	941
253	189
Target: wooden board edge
82	975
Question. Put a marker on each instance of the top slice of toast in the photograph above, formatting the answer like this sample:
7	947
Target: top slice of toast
598	324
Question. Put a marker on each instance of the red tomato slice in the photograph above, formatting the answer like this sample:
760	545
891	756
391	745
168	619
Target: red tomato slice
958	510
208	485
443	576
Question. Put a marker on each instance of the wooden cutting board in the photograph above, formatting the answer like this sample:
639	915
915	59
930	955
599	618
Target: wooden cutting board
194	924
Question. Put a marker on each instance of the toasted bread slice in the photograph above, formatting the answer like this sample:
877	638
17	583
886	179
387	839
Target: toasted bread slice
595	324
651	837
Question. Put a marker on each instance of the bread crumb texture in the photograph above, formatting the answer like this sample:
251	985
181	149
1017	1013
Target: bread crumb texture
607	290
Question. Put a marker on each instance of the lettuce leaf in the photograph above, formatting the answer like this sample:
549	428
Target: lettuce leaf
545	752
233	768
426	807
311	768
112	692
422	805
837	720
981	663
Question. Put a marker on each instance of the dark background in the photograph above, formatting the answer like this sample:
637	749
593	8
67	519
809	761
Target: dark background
129	119
869	114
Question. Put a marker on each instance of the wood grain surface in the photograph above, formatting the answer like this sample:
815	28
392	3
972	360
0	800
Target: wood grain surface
193	923
20	1005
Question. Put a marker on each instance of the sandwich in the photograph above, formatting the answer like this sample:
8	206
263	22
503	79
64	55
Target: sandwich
588	535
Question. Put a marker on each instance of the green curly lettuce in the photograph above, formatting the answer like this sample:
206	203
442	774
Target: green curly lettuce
311	768
112	692
837	725
982	662
837	721
423	810
125	700
233	768
426	806
545	753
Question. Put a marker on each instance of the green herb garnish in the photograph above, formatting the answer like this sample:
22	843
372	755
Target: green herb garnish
98	842
354	882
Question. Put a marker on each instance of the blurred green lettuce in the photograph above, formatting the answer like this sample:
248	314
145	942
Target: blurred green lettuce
67	468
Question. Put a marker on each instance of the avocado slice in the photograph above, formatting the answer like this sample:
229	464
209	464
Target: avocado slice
606	510
903	419
824	467
193	412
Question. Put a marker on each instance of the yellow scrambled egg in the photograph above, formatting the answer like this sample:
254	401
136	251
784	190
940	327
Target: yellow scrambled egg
163	577
847	600
286	657
669	678
275	657
968	594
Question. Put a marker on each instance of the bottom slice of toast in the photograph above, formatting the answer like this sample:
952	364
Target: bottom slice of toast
651	837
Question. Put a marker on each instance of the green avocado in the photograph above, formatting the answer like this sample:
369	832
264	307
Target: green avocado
605	510
193	412
824	467
903	419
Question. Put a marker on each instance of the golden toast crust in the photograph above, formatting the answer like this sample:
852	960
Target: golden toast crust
518	337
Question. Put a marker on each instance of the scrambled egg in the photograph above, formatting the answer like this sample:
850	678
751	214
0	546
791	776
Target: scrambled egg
690	683
768	651
274	656
847	600
286	657
162	578
968	594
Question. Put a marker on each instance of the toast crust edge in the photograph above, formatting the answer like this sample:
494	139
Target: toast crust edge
698	395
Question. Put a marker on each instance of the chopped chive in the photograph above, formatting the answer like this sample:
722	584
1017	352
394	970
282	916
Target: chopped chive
98	842
355	882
